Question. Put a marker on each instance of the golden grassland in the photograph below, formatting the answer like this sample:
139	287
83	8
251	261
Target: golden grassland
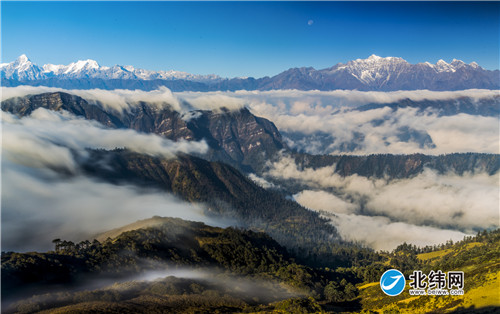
482	284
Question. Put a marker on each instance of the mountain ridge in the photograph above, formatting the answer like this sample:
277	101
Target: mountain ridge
225	191
373	73
236	137
247	142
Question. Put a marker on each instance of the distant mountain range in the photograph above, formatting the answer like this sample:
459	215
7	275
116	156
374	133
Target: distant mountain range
372	74
23	69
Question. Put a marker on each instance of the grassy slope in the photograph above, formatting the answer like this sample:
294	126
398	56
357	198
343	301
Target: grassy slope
480	262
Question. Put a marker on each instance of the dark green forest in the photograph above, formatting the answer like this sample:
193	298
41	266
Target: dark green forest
243	271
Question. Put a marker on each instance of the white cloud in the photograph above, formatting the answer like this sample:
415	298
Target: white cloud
120	100
215	101
324	201
458	133
468	202
260	181
308	113
48	138
315	112
426	209
353	98
40	204
380	233
37	209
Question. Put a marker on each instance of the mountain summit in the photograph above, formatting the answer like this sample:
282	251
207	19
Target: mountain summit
374	73
22	68
387	74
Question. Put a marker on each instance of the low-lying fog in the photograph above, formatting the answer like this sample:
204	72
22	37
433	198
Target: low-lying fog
39	204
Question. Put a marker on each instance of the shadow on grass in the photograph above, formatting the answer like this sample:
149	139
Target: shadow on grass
346	306
481	310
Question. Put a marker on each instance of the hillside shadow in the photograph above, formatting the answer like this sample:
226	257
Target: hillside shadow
481	310
346	306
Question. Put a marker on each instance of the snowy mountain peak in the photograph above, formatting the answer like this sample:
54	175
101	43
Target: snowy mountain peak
23	62
474	65
23	69
81	65
372	66
22	59
374	57
372	73
373	70
89	63
457	63
393	73
443	66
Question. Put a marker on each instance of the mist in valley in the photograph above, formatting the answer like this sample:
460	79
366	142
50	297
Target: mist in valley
46	195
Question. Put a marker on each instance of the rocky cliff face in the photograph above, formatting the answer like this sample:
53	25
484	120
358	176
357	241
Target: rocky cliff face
247	142
24	106
235	137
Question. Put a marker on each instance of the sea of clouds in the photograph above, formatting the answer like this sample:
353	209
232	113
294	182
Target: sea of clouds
324	122
382	213
39	204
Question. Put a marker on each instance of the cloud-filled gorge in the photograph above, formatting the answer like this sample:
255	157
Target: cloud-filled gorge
40	202
427	209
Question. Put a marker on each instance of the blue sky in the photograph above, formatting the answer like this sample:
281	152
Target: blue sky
248	38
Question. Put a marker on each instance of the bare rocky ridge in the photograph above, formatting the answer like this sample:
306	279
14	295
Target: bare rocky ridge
247	142
235	137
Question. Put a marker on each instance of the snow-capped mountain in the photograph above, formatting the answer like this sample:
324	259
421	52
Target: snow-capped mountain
373	73
23	69
393	73
370	70
388	74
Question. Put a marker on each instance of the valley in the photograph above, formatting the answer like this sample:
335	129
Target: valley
250	157
290	223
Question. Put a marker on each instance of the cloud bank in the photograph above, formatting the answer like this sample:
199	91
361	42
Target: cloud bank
286	99
36	210
324	123
50	138
380	233
429	208
39	203
120	100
